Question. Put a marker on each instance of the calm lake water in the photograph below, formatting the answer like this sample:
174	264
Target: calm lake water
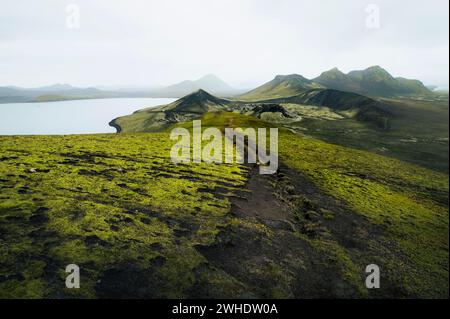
69	117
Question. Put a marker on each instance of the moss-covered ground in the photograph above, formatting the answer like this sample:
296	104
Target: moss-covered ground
139	225
408	202
106	203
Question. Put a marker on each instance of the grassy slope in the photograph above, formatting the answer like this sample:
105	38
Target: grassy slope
141	121
281	86
409	202
117	206
269	93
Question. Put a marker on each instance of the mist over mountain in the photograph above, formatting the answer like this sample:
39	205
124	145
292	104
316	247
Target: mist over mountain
210	83
55	87
56	92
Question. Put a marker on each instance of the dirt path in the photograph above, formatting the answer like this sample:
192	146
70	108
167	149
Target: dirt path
291	240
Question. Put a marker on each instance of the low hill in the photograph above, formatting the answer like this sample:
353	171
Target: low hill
153	119
13	95
197	102
54	98
280	86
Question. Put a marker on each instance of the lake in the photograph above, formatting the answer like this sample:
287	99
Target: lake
69	117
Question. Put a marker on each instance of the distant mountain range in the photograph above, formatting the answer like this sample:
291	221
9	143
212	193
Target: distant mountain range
373	81
58	92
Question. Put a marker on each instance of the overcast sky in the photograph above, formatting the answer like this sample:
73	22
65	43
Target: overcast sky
244	42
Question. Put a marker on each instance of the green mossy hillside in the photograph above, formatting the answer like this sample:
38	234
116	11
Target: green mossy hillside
409	204
113	205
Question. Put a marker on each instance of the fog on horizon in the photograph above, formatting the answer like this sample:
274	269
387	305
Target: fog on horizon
245	43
